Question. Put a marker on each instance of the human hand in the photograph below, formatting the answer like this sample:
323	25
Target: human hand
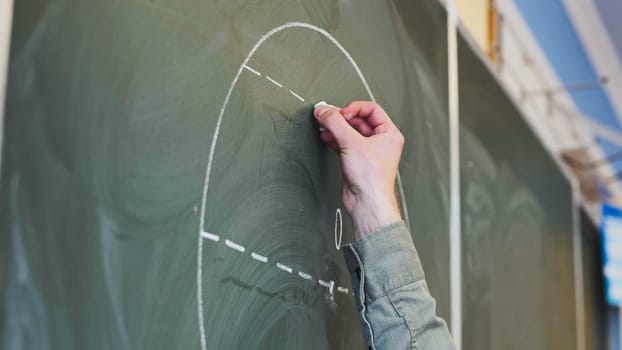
369	146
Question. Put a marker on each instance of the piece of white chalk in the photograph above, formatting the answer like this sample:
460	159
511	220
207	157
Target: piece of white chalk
323	103
319	104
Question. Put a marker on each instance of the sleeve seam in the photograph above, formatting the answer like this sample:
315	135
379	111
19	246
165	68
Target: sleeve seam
386	294
413	341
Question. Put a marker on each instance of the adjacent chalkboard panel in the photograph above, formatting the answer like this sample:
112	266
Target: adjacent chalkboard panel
163	184
517	258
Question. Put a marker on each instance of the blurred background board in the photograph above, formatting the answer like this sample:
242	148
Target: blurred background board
517	224
596	311
111	117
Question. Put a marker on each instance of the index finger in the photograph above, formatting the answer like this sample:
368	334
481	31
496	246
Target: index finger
369	110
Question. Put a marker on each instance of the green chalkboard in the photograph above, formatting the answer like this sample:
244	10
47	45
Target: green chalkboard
517	224
163	185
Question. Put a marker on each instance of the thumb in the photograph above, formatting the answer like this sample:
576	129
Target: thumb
331	119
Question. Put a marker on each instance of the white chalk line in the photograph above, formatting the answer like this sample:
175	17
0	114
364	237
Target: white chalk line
266	36
240	248
210	236
338	220
278	84
305	275
328	284
297	96
284	267
274	81
259	257
343	290
264	259
252	70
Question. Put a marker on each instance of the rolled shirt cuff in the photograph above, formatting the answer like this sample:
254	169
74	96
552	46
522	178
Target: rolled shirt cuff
383	261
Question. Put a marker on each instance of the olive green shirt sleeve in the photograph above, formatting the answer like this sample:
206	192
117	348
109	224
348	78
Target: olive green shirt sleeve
395	307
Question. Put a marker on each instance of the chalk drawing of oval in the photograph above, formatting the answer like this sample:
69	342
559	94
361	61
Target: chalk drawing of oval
338	228
202	229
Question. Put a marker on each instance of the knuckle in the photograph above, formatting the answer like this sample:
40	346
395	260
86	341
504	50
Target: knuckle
327	114
399	138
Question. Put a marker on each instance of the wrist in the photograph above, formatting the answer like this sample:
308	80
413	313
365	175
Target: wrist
373	213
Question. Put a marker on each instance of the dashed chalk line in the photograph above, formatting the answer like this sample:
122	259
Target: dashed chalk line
274	81
297	96
235	246
259	257
270	79
330	285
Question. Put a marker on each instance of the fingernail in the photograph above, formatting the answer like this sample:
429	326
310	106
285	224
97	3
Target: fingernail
322	129
320	108
346	115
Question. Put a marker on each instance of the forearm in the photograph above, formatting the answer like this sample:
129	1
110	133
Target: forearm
395	306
